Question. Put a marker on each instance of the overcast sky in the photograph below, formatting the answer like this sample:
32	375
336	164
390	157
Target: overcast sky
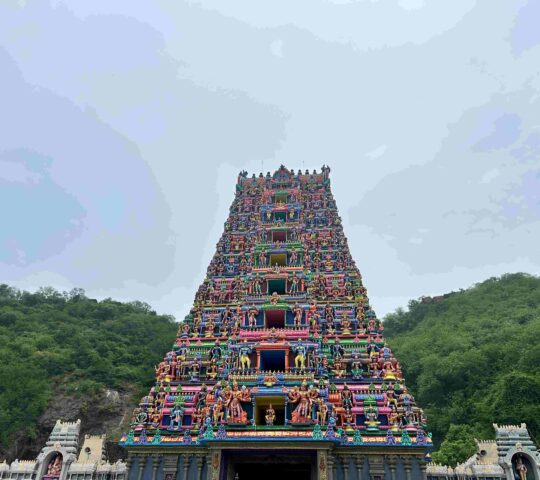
124	124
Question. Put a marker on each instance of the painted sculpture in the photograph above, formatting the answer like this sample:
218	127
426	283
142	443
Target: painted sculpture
281	335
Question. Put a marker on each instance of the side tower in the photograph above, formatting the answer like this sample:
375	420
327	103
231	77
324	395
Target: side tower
281	368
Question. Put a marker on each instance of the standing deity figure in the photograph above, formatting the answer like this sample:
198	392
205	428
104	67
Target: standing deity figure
329	315
346	397
177	415
235	412
297	311
216	352
302	413
322	411
252	315
257	282
262	258
218	411
356	366
294	284
301	351
245	361
337	349
406	400
521	469
270	415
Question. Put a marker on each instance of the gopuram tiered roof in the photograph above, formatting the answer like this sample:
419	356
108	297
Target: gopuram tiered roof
281	350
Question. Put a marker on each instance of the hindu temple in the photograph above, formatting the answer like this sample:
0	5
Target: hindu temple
281	369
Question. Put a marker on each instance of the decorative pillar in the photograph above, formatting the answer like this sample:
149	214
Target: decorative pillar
287	360
213	465
142	464
129	461
359	460
258	360
407	467
392	466
200	462
155	464
186	460
423	467
330	468
322	465
345	465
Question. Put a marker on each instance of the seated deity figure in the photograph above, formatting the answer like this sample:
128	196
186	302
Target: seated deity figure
345	324
356	366
270	415
209	329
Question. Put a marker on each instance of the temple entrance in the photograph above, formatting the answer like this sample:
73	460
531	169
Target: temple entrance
269	465
250	471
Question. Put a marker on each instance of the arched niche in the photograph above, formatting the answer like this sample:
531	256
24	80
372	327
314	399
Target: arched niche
520	460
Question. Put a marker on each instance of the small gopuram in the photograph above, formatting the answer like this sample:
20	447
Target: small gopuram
511	456
280	370
58	460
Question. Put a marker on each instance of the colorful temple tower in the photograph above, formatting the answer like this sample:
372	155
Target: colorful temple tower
281	369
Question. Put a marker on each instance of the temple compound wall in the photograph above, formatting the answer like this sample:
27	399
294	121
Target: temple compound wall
511	456
63	458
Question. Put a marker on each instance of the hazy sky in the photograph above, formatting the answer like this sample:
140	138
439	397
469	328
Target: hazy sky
124	124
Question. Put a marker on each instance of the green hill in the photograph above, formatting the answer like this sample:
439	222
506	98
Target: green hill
472	358
65	355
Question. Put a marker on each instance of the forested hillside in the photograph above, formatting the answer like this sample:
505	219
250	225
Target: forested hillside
62	354
472	358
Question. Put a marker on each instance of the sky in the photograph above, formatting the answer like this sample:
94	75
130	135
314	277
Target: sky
124	124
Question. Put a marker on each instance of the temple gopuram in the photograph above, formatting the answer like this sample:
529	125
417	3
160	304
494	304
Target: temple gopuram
280	370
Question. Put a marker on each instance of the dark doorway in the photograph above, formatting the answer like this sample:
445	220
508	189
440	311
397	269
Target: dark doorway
273	360
249	471
277	285
279	236
280	216
269	465
275	318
